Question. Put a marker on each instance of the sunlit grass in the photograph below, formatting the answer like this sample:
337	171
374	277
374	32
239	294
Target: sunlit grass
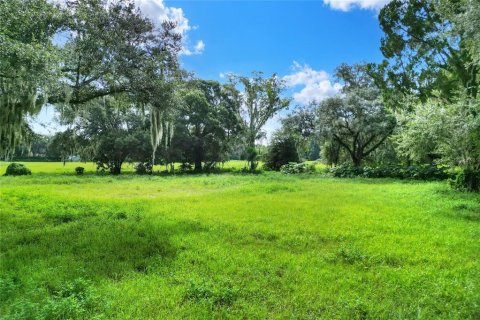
90	167
235	246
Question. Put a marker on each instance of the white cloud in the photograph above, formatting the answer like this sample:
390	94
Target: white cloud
200	46
317	84
347	5
225	75
157	11
197	49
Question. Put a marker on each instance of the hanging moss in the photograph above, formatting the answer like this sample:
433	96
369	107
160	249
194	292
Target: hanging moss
18	98
156	129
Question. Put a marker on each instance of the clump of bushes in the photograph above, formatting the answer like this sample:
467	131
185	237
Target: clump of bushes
295	168
79	170
144	168
346	171
17	169
280	153
467	180
428	172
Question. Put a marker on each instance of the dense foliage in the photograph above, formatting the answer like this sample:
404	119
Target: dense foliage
295	168
467	179
208	122
281	152
300	126
425	172
110	134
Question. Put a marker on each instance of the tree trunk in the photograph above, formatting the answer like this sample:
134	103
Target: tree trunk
198	165
198	155
357	160
116	168
251	153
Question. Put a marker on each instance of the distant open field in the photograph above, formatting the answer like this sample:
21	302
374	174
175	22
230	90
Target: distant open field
90	167
220	246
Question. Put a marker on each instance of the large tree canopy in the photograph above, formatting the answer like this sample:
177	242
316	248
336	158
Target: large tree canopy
112	48
357	121
102	48
424	50
208	120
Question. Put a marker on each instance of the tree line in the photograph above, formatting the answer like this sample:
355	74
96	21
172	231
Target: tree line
115	79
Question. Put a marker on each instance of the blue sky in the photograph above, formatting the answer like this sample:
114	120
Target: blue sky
242	36
301	41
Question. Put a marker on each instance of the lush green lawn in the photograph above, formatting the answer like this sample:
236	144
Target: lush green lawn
235	246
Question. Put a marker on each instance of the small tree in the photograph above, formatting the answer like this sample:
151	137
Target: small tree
110	132
261	100
281	152
300	126
62	145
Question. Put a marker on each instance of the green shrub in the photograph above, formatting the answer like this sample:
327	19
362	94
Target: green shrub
79	170
281	152
427	172
295	168
17	169
346	171
62	308
144	168
75	300
467	180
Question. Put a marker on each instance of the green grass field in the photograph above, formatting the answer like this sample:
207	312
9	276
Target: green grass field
265	246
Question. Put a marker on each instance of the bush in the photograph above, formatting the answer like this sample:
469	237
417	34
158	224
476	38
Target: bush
346	171
281	152
17	169
79	170
295	168
467	180
428	172
144	168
